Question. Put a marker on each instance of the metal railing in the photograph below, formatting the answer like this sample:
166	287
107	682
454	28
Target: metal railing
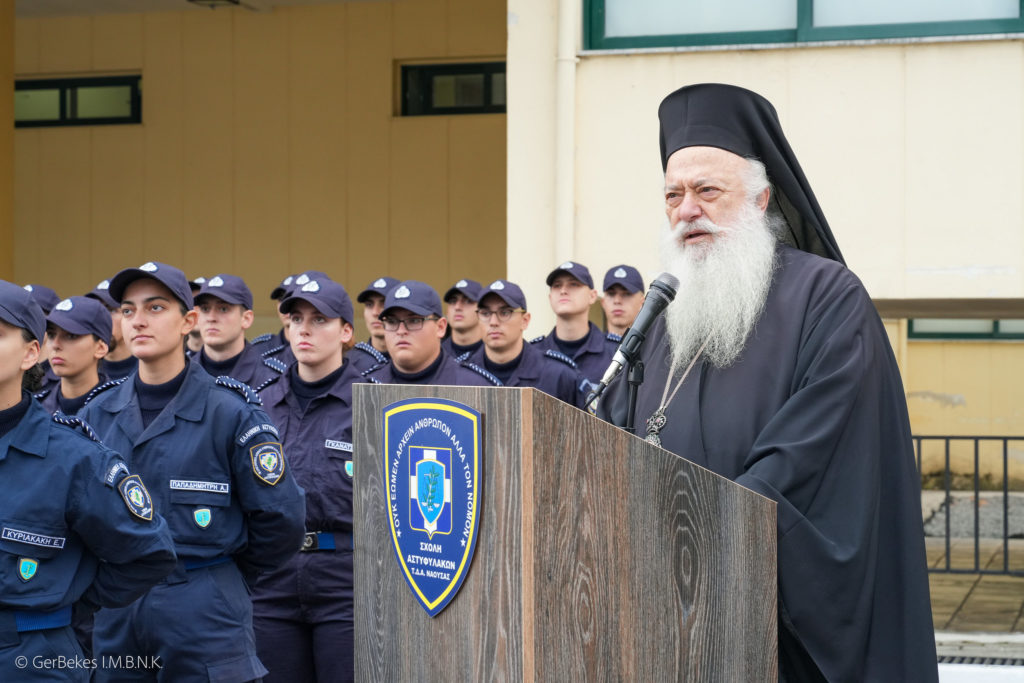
970	449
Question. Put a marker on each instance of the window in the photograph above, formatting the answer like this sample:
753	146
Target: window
963	328
433	89
77	101
613	24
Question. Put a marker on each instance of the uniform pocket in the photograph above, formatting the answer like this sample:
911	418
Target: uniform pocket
197	517
33	561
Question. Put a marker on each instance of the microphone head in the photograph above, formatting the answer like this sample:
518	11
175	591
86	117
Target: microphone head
668	283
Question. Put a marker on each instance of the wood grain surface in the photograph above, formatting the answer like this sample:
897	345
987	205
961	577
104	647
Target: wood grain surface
599	558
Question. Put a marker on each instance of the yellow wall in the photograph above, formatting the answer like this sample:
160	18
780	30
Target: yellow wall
6	139
268	146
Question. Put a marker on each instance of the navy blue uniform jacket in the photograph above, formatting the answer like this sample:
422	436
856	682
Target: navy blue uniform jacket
813	416
447	372
593	358
203	452
536	369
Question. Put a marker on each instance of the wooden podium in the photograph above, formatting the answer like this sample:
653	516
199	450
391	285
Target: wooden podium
599	558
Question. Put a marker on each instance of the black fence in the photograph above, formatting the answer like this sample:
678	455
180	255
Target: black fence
983	501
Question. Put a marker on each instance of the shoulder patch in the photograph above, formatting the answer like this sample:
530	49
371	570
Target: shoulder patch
276	349
267	462
538	339
611	336
97	390
241	388
75	423
368	348
275	364
559	356
136	497
262	339
483	373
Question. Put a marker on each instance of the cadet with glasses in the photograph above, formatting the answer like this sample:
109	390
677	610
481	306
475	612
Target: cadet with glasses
79	332
216	469
504	319
303	612
78	531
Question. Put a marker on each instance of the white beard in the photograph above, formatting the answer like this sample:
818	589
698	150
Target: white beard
722	286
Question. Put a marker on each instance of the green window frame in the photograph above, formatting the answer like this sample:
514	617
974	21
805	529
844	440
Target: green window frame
69	94
419	82
594	37
996	331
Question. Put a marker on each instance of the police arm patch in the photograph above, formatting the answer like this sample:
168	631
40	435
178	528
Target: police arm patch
267	462
136	497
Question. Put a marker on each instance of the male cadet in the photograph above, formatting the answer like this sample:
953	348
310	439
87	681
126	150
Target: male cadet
466	334
373	352
46	299
571	295
224	304
504	319
216	470
794	391
194	340
119	361
78	533
413	329
623	298
78	330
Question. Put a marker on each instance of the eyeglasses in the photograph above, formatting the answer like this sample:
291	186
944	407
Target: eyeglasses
413	323
504	315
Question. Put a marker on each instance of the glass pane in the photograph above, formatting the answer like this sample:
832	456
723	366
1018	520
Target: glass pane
461	90
1011	326
112	101
847	13
667	17
498	89
951	326
37	105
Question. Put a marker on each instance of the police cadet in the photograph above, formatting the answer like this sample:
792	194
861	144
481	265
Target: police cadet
46	299
78	531
623	298
78	330
276	345
571	295
119	361
413	329
373	352
303	613
460	302
44	296
217	472
224	305
504	318
194	340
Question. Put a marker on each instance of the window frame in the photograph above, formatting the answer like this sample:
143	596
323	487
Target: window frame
68	89
429	71
595	39
994	335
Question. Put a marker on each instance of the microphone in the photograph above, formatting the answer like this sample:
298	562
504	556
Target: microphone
659	296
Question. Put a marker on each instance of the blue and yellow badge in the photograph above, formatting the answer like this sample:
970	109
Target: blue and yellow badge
433	466
348	468
267	461
27	568
136	497
202	517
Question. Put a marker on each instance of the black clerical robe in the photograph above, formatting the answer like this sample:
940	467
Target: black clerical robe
813	416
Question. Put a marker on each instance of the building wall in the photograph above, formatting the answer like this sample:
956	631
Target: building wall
6	139
269	145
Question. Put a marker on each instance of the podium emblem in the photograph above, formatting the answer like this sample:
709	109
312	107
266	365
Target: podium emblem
432	484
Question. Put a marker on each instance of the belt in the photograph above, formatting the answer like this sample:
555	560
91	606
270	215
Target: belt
201	564
180	572
326	540
13	622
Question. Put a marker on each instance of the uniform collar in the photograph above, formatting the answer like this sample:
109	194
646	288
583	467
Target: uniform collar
277	392
594	342
32	434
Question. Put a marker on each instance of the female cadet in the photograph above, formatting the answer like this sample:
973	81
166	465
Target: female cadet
303	613
77	530
79	331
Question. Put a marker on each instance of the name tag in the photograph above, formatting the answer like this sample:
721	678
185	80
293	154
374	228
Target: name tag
33	539
338	445
188	485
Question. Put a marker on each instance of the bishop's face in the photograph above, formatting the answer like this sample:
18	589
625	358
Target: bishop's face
705	191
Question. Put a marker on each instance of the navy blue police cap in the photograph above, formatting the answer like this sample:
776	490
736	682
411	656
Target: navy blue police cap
281	291
381	285
229	288
324	294
468	288
44	296
196	284
169	276
624	276
573	269
414	296
82	315
101	292
18	308
509	292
